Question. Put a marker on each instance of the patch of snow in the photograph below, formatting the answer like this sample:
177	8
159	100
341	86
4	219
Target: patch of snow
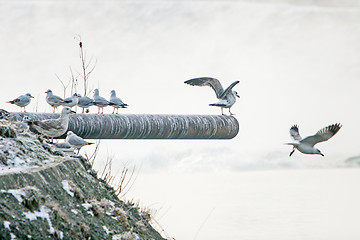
44	214
67	187
61	234
126	235
7	225
106	230
24	151
19	193
13	236
75	211
87	206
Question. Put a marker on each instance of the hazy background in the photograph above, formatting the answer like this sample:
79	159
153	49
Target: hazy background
297	62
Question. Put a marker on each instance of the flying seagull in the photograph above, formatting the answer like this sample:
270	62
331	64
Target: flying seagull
22	101
226	97
53	100
306	145
76	141
100	102
116	102
53	127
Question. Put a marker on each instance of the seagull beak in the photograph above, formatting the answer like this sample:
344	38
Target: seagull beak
31	96
72	111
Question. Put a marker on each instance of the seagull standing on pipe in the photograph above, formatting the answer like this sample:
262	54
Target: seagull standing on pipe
100	102
22	101
71	101
85	102
53	100
226	97
306	145
116	102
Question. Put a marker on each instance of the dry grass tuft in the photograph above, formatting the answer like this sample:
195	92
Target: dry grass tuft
85	229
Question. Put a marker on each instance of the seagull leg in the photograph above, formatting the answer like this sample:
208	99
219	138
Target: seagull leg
222	113
231	112
24	109
292	152
117	111
113	111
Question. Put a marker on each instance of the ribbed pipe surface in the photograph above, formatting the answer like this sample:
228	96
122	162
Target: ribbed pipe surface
146	126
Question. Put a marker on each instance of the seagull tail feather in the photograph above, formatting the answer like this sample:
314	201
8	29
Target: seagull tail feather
217	105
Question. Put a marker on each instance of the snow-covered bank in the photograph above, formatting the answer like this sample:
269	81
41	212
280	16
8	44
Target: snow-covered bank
44	193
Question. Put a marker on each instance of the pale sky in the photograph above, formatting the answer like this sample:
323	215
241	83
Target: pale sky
296	63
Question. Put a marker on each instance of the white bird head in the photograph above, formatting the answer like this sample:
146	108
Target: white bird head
66	110
236	94
29	95
113	93
69	133
48	91
96	92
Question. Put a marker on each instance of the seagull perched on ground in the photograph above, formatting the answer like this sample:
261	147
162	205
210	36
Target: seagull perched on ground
53	100
64	146
116	102
22	126
76	141
71	101
100	102
22	101
53	127
85	102
306	145
226	97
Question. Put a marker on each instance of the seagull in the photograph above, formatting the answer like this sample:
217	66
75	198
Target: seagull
226	97
84	102
71	101
22	101
53	127
306	145
100	102
53	100
116	102
76	141
64	146
22	126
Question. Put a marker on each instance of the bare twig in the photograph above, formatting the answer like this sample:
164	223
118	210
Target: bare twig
62	83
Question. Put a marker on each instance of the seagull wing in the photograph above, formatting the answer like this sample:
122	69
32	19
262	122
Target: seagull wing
322	135
48	124
76	140
294	133
229	89
207	81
